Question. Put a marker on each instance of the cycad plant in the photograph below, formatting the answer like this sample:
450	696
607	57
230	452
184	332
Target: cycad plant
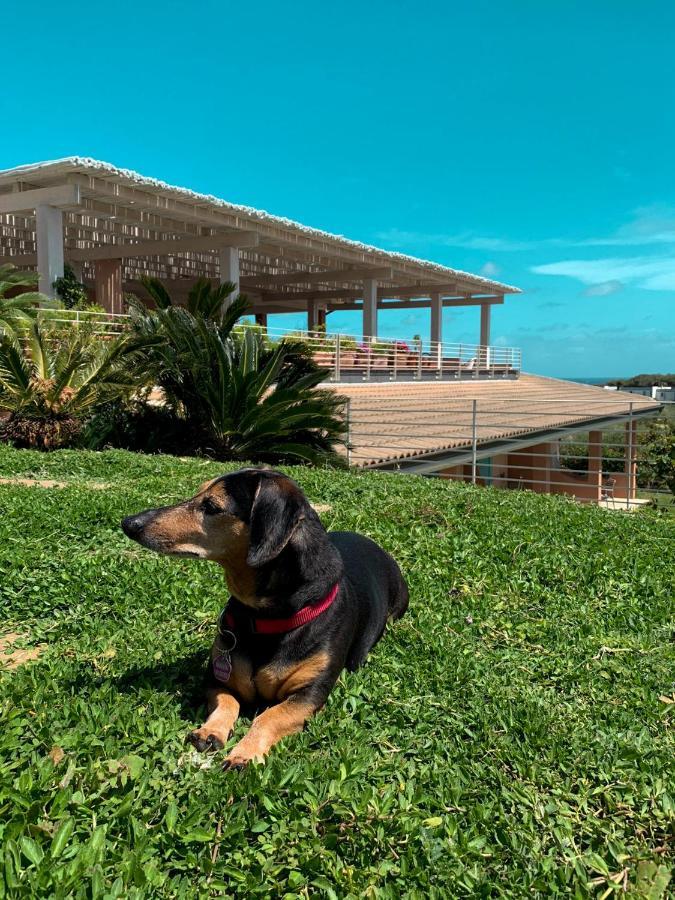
50	386
234	395
18	311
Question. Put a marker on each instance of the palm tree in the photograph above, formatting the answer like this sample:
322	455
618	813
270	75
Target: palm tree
17	312
236	395
50	385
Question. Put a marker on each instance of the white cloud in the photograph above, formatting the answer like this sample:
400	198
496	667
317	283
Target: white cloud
652	273
649	226
604	289
398	238
490	269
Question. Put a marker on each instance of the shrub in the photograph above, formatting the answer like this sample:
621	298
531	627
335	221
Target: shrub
49	386
18	306
72	293
232	395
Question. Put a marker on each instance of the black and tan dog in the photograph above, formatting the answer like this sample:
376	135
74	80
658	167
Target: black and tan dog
305	603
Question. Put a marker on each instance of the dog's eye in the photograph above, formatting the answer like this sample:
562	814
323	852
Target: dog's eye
210	508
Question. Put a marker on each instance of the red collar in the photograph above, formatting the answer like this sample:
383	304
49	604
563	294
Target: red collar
280	626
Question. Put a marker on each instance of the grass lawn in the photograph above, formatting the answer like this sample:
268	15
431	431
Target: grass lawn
509	737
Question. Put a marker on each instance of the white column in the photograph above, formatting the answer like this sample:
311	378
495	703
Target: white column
370	308
228	258
436	332
485	311
49	238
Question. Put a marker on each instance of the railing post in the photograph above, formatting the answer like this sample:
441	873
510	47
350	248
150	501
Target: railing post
349	433
395	352
459	363
419	360
337	357
631	467
368	342
474	439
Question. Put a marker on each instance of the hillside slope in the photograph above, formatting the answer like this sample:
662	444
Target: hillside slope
508	737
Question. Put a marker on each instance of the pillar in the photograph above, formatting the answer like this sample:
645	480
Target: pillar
108	285
595	465
370	308
49	239
485	311
484	353
630	459
261	319
312	315
436	332
228	258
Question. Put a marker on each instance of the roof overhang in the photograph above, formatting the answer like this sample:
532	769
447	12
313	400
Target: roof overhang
429	463
163	230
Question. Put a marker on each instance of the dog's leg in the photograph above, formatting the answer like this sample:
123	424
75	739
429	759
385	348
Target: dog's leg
270	727
223	711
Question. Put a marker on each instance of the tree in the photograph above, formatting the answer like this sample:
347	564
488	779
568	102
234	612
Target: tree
230	392
656	467
20	309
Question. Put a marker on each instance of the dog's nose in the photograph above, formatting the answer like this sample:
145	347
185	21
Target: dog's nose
132	526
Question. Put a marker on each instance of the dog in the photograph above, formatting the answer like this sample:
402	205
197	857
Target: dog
305	603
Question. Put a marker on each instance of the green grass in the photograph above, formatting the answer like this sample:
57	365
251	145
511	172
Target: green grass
508	738
663	501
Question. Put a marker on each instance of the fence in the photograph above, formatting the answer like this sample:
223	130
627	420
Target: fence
612	451
349	359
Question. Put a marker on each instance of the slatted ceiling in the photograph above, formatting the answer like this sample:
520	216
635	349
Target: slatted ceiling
399	421
119	205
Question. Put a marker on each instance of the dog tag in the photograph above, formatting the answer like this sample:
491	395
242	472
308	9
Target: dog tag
222	667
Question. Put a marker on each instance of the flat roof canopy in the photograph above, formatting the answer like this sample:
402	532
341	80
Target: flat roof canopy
176	234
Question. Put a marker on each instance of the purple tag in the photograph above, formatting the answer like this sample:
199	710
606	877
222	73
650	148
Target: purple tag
222	668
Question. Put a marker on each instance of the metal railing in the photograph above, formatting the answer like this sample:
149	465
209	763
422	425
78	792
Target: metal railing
102	323
614	452
354	359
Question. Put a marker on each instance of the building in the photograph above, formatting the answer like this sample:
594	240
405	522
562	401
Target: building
113	225
663	393
457	410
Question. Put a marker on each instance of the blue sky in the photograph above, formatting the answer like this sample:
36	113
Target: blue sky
530	141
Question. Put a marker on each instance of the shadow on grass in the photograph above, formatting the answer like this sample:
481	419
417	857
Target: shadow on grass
183	679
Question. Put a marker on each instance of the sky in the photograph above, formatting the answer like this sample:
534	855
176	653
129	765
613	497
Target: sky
528	141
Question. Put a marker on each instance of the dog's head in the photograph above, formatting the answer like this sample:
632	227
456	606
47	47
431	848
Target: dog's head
247	516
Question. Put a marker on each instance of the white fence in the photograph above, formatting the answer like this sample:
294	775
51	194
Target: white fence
356	359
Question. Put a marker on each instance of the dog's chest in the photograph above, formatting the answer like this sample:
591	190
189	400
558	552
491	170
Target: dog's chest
275	680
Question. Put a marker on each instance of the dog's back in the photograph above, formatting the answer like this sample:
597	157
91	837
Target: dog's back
377	590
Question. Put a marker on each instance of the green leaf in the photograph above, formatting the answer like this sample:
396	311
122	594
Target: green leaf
62	836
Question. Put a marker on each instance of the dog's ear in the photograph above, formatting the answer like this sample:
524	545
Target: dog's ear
278	508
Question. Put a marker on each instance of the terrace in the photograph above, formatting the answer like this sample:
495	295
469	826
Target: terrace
112	226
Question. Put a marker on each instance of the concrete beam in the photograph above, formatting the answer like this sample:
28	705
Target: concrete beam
384	273
416	304
62	195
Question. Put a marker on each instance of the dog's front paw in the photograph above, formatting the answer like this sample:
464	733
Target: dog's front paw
205	742
239	758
